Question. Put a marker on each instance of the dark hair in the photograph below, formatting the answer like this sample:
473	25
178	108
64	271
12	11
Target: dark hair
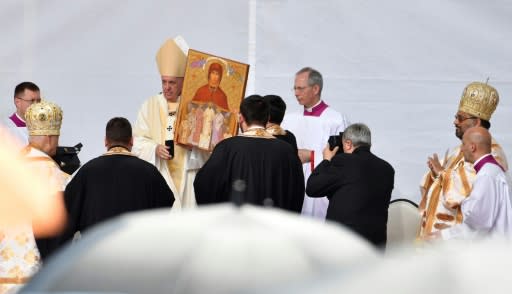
20	88
485	123
255	110
277	108
118	131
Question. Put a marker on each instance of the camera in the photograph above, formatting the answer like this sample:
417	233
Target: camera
335	140
67	158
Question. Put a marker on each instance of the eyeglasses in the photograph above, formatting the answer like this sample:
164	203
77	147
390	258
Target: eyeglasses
461	118
300	89
37	100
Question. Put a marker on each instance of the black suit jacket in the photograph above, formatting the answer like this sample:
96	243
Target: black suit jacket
359	187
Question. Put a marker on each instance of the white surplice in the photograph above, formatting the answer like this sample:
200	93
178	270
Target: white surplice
487	211
312	132
20	134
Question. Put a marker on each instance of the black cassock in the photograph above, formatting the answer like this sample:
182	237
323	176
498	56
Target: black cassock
110	185
285	135
289	137
269	168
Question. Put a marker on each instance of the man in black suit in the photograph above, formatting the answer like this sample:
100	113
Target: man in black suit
357	183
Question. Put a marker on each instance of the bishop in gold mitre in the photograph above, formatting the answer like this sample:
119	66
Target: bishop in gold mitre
449	180
35	185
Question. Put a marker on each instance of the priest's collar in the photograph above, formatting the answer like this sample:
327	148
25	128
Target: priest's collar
487	158
118	150
17	120
257	132
276	130
316	110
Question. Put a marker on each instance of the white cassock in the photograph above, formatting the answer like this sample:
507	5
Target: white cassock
15	128
312	132
149	131
487	211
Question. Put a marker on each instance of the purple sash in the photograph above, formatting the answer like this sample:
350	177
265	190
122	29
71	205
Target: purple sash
317	110
487	159
17	121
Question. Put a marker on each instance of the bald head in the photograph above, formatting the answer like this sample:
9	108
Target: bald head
476	143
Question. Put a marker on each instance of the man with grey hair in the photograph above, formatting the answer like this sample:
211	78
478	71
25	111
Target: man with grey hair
312	128
357	183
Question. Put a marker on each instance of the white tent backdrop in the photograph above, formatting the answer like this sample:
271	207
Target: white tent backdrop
399	66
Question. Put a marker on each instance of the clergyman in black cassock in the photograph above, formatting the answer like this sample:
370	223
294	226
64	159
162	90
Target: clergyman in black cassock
276	115
266	169
114	183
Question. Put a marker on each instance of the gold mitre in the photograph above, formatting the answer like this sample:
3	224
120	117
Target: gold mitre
43	118
479	99
171	58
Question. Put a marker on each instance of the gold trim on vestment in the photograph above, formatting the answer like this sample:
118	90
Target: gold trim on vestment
118	150
459	216
276	130
423	202
14	280
176	165
442	183
432	205
464	180
257	133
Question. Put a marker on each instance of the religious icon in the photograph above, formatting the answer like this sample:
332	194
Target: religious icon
213	89
212	92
